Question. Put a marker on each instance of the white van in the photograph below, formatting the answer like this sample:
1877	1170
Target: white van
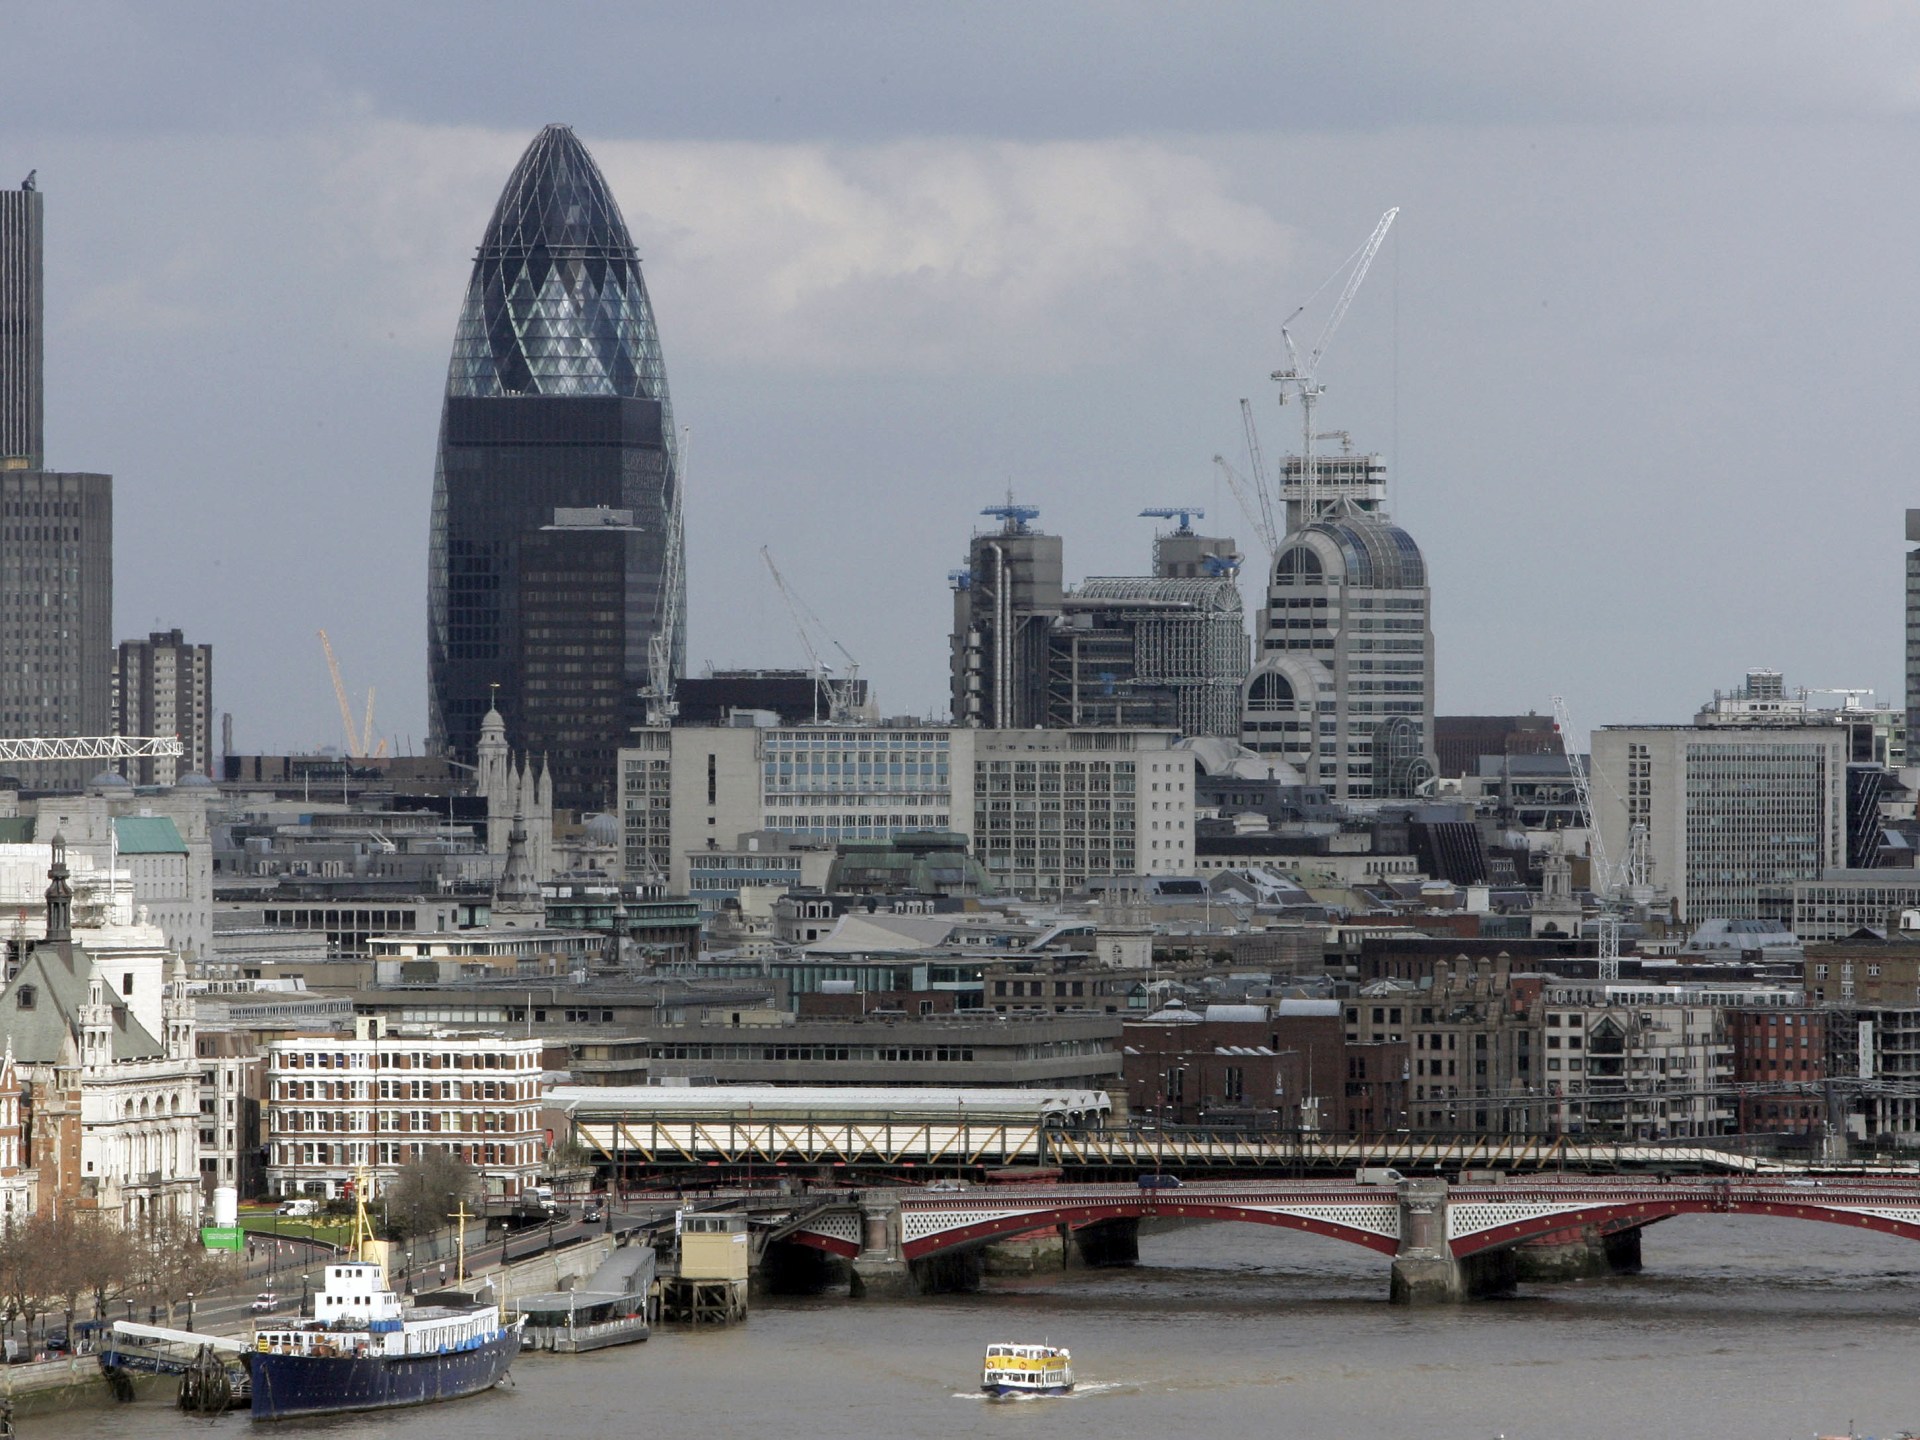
299	1208
1377	1175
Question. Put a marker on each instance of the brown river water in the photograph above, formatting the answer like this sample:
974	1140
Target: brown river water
1739	1327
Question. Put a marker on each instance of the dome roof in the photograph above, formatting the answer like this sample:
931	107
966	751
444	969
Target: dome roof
109	780
1371	552
602	829
193	780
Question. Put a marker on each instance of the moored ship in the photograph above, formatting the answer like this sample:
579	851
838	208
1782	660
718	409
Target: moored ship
1013	1370
363	1350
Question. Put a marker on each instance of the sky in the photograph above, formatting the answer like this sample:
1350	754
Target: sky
1638	352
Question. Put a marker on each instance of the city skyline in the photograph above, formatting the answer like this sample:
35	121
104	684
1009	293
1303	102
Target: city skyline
1633	322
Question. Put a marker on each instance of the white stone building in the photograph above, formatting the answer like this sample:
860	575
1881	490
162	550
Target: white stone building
1046	810
104	1043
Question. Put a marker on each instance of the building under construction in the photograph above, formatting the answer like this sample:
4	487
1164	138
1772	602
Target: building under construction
1167	650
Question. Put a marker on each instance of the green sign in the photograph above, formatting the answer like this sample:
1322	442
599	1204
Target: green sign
223	1237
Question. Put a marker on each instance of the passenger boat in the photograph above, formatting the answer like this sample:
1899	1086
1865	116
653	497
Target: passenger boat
363	1350
1026	1370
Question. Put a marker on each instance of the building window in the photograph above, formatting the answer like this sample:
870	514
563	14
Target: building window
25	997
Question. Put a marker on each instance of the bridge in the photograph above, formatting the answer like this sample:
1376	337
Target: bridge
629	1145
1447	1242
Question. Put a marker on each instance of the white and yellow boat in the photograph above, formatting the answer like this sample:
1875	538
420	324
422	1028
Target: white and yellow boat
1027	1370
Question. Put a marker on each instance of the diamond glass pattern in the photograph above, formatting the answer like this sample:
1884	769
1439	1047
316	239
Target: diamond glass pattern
557	305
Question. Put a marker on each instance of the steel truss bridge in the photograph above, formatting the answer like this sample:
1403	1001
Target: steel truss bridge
1471	1218
625	1143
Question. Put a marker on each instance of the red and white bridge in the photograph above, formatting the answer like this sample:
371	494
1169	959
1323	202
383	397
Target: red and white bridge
1419	1222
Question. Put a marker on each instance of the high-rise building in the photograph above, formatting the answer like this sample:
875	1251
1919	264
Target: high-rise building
56	610
22	304
1342	683
164	686
56	533
1913	623
1734	816
553	557
1165	651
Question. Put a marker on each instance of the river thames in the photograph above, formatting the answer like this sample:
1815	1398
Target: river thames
1763	1330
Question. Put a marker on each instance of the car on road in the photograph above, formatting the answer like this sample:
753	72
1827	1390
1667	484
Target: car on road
593	1213
1159	1181
266	1300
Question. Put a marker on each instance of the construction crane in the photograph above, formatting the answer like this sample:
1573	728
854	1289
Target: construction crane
1302	377
1013	517
1259	513
1266	488
1185	514
91	747
658	693
842	693
1632	882
360	742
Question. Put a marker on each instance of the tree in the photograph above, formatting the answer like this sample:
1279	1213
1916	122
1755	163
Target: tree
172	1264
427	1191
104	1259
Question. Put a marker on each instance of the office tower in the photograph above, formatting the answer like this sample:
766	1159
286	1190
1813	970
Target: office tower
1913	624
1045	810
1342	682
22	303
56	534
1166	651
164	686
1734	815
554	554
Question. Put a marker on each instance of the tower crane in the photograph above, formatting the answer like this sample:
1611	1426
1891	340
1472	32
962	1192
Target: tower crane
360	742
1302	377
1259	513
1633	882
658	693
1264	487
1185	514
91	747
841	694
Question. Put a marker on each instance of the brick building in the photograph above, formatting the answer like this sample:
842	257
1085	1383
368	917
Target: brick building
384	1097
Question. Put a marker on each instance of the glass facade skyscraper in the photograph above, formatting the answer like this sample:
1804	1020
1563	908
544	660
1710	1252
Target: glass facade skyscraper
557	482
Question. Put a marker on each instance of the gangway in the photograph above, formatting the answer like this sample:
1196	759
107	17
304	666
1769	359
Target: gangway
158	1350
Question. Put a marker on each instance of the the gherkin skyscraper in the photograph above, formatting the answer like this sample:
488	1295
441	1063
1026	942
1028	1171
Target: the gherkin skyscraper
557	483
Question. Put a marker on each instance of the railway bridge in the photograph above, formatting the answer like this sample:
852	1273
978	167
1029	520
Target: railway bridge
1446	1242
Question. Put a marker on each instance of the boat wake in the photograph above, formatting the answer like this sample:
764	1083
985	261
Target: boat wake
1080	1390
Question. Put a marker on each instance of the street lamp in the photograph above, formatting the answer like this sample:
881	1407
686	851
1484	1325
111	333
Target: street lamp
189	1309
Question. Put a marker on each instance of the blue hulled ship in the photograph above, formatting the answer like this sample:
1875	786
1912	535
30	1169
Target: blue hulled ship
363	1350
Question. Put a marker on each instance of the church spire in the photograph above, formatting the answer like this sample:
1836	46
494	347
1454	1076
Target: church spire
59	895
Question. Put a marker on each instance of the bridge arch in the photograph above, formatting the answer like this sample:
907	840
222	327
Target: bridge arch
1371	1221
1645	1211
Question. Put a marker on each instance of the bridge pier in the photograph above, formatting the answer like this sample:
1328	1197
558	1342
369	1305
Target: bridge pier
1424	1270
880	1269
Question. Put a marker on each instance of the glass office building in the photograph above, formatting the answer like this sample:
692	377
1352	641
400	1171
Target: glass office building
557	483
